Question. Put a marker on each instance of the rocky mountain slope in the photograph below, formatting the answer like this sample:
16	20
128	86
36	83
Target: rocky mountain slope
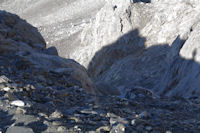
138	72
152	45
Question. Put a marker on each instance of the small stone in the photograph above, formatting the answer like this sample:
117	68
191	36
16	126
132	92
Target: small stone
119	128
103	129
6	89
46	122
76	87
168	131
75	119
88	112
3	79
20	111
18	103
118	119
2	86
143	115
148	128
133	122
56	114
56	123
76	128
16	129
10	96
61	129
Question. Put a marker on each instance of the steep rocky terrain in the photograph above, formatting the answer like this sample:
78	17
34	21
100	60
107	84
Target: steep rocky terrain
138	72
149	45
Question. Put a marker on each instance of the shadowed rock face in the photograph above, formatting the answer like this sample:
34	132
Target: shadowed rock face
25	50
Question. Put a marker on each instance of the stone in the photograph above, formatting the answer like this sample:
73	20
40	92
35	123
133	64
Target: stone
143	115
20	111
118	128
18	129
61	129
6	89
148	128
56	123
103	129
18	103
56	114
3	79
133	122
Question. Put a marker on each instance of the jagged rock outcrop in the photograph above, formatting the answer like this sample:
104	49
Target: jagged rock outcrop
137	44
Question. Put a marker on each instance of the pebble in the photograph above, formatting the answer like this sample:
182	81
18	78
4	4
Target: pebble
118	128
6	89
3	79
20	111
56	114
2	86
148	128
61	129
103	129
18	103
133	122
57	123
88	112
142	115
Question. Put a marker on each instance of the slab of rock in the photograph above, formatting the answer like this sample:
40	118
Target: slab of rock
17	129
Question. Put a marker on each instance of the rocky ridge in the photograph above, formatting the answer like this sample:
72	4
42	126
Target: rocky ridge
43	92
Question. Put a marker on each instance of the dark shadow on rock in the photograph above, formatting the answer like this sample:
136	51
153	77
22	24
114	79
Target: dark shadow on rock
5	120
127	63
130	43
